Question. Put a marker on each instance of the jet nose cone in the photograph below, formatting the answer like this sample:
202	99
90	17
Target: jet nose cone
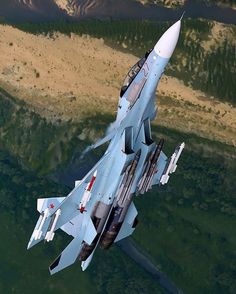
166	44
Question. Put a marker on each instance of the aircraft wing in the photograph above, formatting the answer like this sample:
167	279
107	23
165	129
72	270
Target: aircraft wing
69	207
62	212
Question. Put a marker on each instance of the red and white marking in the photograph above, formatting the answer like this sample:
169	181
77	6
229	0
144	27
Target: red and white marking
87	194
51	206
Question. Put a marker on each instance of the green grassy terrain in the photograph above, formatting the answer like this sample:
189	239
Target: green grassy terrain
37	143
189	228
227	3
212	71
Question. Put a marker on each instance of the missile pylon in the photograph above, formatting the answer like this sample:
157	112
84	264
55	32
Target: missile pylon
38	232
127	181
150	169
50	233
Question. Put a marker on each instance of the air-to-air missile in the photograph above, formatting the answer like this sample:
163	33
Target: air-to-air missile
100	209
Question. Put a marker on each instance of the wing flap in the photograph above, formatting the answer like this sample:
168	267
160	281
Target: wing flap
72	227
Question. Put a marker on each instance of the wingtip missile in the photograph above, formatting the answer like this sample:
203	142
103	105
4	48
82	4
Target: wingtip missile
172	164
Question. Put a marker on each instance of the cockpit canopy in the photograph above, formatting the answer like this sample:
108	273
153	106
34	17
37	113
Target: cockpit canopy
133	73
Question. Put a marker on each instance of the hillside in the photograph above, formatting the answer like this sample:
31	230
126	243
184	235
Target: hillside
179	3
72	77
166	3
45	10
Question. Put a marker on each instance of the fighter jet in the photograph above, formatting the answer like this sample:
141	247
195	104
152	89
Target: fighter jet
100	209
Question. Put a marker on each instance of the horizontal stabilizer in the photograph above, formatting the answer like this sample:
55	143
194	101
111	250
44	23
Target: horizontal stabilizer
68	255
129	223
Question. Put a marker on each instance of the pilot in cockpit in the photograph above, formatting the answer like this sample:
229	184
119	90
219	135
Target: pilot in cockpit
133	72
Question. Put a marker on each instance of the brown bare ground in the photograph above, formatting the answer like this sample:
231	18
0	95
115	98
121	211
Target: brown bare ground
219	33
70	77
